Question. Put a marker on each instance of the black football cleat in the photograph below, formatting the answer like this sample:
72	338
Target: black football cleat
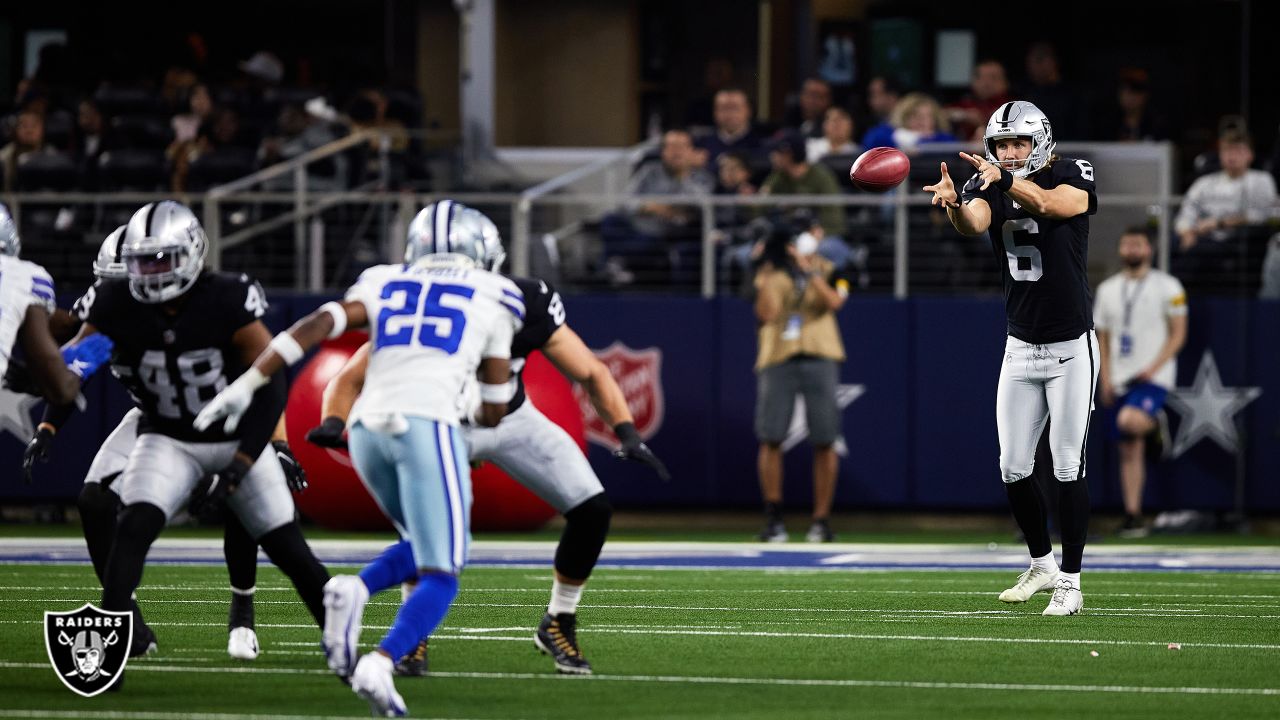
144	642
415	663
557	636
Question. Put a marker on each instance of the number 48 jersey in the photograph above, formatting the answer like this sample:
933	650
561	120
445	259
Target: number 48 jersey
430	326
1044	261
175	357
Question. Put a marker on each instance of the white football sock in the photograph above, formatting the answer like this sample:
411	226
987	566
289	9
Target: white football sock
1073	577
564	598
1045	563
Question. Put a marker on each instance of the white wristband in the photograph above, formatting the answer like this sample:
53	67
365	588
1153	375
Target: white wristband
287	348
339	315
498	394
254	378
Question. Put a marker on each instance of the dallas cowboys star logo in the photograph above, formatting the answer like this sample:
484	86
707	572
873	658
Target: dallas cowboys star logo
15	414
799	430
1208	409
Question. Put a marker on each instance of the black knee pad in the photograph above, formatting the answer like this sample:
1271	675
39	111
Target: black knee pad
241	553
139	523
585	530
97	501
137	527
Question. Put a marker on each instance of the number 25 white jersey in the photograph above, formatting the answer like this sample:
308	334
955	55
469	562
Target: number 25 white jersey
430	326
22	284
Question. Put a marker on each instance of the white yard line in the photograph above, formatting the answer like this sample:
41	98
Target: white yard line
706	680
143	715
702	631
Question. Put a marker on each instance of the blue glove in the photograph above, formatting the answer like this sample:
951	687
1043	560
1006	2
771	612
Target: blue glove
85	357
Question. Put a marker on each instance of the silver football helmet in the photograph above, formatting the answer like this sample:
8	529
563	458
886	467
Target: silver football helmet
110	263
164	249
448	233
1020	118
10	242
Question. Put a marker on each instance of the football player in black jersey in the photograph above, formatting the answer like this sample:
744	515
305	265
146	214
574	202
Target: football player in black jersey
99	502
1036	207
526	444
181	333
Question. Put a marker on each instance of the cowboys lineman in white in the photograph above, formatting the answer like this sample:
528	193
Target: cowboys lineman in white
434	321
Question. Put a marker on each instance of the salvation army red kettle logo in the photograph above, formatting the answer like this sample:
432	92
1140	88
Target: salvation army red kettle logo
639	374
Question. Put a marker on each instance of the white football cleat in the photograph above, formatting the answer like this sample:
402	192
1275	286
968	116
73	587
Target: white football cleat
372	681
1067	599
344	599
1030	582
243	644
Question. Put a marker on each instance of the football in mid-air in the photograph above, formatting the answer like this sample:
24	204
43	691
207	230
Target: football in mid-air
880	169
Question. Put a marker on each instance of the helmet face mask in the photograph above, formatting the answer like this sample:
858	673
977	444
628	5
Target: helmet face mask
163	253
450	233
1020	119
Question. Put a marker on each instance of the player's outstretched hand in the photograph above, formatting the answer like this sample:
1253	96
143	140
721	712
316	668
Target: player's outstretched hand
293	472
209	496
37	449
328	434
944	191
231	403
633	448
987	172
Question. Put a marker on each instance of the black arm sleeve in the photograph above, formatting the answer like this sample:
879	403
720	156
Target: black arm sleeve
260	419
57	415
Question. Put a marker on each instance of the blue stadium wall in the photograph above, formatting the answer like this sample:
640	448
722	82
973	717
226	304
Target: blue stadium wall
921	435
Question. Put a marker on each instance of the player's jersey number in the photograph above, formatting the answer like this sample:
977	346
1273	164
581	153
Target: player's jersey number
409	316
200	378
1025	261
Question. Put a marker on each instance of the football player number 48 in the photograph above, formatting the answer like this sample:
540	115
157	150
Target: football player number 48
437	325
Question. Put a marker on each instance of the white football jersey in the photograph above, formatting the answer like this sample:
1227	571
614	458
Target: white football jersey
1135	314
430	326
22	284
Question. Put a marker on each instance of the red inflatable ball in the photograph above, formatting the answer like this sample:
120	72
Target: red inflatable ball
336	499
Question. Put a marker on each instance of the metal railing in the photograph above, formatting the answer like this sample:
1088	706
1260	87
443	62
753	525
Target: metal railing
557	211
308	242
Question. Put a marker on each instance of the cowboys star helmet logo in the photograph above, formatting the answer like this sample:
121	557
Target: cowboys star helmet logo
88	647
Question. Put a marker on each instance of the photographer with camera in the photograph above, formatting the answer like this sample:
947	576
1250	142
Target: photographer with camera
800	351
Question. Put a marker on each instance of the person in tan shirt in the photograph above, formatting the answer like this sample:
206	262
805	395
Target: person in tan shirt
800	353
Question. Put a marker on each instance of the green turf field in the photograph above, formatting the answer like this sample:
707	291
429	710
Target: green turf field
698	644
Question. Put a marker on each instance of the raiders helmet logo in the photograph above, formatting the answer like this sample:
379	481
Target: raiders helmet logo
88	647
639	374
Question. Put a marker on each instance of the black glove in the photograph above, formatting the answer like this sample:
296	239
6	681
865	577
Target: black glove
293	472
329	433
633	448
37	449
209	497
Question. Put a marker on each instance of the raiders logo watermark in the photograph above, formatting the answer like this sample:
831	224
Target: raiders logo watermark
88	647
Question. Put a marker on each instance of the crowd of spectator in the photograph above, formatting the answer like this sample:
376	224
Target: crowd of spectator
1230	199
180	132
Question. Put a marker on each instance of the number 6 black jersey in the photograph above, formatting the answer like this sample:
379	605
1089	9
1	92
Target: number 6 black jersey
1044	261
174	363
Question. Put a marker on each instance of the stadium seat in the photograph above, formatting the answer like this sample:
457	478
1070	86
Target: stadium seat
49	171
132	169
839	165
219	166
59	126
141	131
114	100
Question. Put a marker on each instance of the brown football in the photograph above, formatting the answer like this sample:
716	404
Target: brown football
880	169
